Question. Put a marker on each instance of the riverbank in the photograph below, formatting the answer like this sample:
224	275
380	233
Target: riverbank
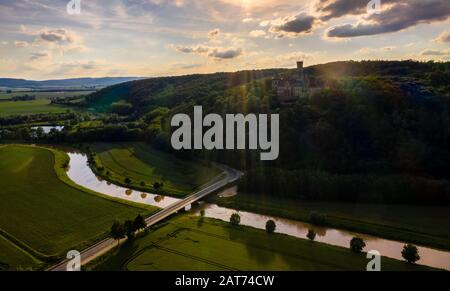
395	222
140	167
82	174
189	243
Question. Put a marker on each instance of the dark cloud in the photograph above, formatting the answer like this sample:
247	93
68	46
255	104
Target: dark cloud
218	53
400	16
337	8
57	35
302	23
225	54
189	50
331	9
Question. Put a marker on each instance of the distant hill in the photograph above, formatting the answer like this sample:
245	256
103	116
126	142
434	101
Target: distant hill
173	91
65	83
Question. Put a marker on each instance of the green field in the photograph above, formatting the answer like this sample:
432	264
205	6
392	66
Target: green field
141	163
397	222
199	244
42	212
14	258
38	106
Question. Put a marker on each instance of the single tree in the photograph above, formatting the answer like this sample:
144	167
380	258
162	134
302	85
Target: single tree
270	226
311	235
357	245
202	213
127	180
129	229
117	231
158	186
318	218
142	183
139	223
235	219
410	253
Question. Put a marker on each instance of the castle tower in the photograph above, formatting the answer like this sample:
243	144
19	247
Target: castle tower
300	70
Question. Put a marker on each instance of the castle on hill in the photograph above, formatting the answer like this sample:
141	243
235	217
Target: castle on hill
290	88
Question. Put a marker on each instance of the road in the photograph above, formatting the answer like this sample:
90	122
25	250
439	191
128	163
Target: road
102	247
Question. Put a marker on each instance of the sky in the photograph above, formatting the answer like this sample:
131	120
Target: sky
42	39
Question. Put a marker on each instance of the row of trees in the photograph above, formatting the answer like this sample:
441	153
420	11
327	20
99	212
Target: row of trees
127	229
410	252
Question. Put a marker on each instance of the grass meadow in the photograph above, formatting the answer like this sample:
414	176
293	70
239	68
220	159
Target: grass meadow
43	214
190	243
140	163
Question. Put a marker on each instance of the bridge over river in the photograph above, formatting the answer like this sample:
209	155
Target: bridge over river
229	177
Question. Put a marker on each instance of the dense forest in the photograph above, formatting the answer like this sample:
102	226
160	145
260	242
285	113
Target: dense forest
375	131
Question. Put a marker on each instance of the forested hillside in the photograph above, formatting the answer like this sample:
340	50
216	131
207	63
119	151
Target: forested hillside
374	132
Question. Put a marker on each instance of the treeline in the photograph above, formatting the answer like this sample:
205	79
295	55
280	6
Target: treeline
37	118
107	133
77	101
357	188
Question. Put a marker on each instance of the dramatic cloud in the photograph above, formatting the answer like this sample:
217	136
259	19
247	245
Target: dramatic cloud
291	26
443	37
397	17
337	8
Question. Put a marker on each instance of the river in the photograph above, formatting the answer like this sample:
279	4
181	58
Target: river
81	173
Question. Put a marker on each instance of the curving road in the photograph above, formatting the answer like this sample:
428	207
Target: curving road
102	247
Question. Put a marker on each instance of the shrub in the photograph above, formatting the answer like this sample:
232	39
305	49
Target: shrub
311	235
235	219
410	253
318	218
357	245
270	226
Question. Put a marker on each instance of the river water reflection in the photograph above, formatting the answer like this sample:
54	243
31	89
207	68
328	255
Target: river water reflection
81	174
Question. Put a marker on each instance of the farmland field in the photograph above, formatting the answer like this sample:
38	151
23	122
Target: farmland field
13	258
140	163
42	212
40	105
199	244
